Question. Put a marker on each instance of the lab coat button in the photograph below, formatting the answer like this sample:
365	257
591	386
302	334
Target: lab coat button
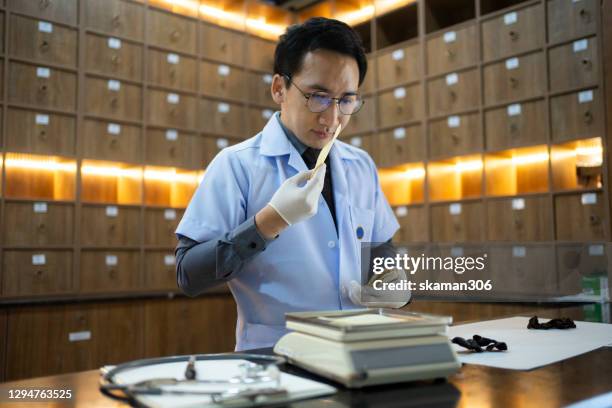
331	244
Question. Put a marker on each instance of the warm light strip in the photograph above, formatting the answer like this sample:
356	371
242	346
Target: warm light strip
38	164
523	159
110	171
468	166
384	6
414	174
170	176
357	16
590	151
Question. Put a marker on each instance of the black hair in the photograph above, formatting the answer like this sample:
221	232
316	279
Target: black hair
314	34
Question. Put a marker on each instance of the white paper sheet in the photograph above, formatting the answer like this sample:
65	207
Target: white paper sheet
528	349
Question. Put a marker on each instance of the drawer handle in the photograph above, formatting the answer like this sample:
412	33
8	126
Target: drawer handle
398	69
513	35
114	103
518	223
453	95
588	117
43	4
586	63
585	15
399	109
116	20
42	88
594	219
176	34
223	46
172	74
112	273
456	138
222	84
513	129
224	120
42	135
172	151
172	112
399	149
514	82
450	54
114	143
39	273
112	228
44	46
41	227
115	59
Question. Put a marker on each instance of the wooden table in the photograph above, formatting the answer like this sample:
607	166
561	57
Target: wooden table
555	385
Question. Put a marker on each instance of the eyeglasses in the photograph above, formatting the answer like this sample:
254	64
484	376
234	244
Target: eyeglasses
318	102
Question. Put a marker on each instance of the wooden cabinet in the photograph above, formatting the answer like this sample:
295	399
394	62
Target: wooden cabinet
400	105
364	120
452	50
41	86
455	135
205	148
520	219
516	124
223	81
36	272
260	54
40	133
111	141
457	222
577	115
42	41
571	19
171	109
515	78
109	271
172	70
399	66
369	82
514	32
221	45
160	224
60	11
579	265
169	147
38	224
160	270
113	99
257	120
574	65
222	118
400	145
113	57
580	217
171	31
117	17
110	226
413	224
259	88
453	92
369	143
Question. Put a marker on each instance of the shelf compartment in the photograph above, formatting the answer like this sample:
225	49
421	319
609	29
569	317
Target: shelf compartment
455	179
517	171
111	182
404	184
577	164
440	14
169	186
389	19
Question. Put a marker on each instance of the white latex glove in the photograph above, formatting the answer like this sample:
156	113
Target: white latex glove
297	199
367	296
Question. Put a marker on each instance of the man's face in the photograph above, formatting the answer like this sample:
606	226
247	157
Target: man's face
322	71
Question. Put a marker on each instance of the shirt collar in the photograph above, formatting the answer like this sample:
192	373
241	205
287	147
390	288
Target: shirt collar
297	143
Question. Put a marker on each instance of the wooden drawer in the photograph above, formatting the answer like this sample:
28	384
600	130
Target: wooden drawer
40	133
574	65
259	88
207	147
457	222
221	45
36	272
113	98
110	226
109	271
369	143
42	41
400	145
260	54
580	217
513	33
455	135
160	270
223	118
454	92
172	70
171	31
113	57
514	125
169	148
520	219
364	120
2	24
116	17
571	19
61	11
223	81
111	141
452	50
41	86
577	115
577	262
258	118
400	105
160	225
368	85
413	224
38	224
515	78
398	66
171	109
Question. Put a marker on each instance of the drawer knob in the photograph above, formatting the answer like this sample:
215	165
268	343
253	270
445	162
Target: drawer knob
514	82
513	35
588	117
450	54
114	143
172	74
594	219
222	84
43	4
398	69
44	46
399	149
115	59
112	228
585	15
456	139
172	151
39	273
42	135
223	46
399	109
114	103
452	95
176	34
514	129
518	223
42	88
586	63
172	112
116	20
41	227
112	273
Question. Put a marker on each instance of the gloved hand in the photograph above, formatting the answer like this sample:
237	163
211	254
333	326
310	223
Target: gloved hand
297	199
367	296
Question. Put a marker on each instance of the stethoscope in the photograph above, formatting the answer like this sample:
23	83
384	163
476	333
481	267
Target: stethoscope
260	370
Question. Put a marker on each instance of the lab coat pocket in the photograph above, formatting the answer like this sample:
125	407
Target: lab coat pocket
362	221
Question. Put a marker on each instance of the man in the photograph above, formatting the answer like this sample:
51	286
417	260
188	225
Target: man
284	237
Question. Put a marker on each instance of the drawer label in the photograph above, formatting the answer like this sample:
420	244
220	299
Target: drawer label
114	43
452	79
596	250
223	108
79	336
450	36
266	114
223	70
39	259
397	55
222	143
401	211
111	260
356	141
114	85
45	27
113	128
512	63
588	198
514	109
585	96
399	133
171	135
169	260
510	18
267	79
518	204
112	211
42	119
40	208
173	58
581	45
43	72
519	251
169	214
453	121
173	98
454	209
456	251
399	93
